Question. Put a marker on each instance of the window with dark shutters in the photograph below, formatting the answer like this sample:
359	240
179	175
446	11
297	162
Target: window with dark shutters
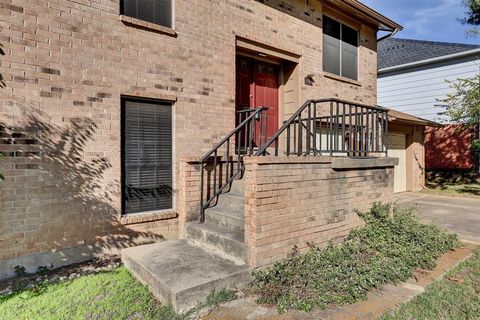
155	11
340	49
146	156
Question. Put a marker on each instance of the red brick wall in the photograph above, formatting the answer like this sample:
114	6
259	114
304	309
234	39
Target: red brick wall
448	147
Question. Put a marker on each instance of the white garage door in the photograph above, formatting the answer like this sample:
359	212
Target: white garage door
397	144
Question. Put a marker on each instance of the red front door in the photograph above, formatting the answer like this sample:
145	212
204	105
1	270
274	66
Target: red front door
257	86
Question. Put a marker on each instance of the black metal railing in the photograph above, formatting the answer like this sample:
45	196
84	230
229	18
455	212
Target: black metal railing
331	127
224	162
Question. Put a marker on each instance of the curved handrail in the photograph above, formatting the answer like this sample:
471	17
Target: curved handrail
233	132
256	114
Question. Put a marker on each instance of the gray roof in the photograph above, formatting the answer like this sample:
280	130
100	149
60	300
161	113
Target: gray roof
394	52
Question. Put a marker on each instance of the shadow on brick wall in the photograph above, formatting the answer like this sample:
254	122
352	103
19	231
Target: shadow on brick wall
58	193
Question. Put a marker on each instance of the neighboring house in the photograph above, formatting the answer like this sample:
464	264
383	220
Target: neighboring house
108	111
412	78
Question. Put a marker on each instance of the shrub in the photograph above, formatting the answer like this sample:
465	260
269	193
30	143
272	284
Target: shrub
386	250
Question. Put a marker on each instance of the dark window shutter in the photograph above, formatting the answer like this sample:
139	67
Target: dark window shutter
155	11
147	156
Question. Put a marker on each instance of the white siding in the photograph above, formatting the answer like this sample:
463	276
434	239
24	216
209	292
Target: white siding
417	90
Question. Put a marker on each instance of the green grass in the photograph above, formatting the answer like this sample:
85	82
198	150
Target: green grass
455	297
107	295
454	189
387	250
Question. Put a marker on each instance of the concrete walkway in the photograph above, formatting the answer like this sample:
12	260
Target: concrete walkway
459	215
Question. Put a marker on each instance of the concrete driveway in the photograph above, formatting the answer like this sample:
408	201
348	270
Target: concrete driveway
459	215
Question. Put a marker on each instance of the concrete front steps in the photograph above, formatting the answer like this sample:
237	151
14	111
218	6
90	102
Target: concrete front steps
212	257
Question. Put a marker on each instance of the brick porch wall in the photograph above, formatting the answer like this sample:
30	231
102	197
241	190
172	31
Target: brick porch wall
291	201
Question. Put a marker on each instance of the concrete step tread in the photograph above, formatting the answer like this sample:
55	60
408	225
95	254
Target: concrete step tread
180	273
231	213
232	196
233	235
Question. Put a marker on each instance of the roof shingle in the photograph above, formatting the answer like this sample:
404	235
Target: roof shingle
394	52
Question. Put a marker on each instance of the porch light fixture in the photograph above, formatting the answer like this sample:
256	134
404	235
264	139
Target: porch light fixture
309	81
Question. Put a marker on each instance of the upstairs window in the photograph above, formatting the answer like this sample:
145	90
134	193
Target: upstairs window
154	11
340	49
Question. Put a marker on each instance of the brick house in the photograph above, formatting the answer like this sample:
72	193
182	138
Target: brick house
109	111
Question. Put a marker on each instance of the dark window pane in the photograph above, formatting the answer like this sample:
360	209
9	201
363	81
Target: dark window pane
146	10
155	11
349	61
349	35
349	52
331	27
129	8
331	45
147	156
331	54
163	12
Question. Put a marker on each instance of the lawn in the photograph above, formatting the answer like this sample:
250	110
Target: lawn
454	189
106	295
455	297
453	184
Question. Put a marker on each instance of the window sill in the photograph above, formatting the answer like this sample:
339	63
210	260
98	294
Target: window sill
148	217
342	79
147	25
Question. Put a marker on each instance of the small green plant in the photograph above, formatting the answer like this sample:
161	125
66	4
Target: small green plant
213	300
391	245
19	271
43	269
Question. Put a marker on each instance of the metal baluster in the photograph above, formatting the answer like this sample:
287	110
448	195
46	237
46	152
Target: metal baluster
300	126
309	129
343	127
260	126
330	129
362	132
315	129
227	173
288	141
251	135
386	132
294	136
337	127
356	131
350	129
377	136
215	172
367	131
202	186
266	127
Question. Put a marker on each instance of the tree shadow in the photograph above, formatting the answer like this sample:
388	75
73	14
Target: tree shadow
59	190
